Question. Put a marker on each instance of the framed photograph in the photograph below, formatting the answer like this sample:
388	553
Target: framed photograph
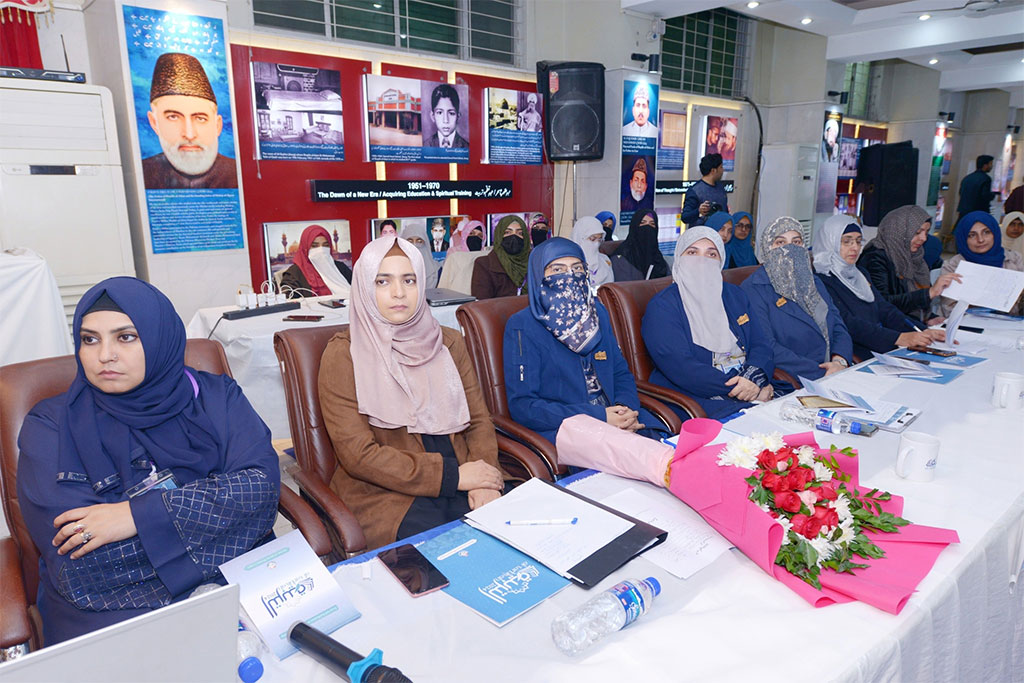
281	241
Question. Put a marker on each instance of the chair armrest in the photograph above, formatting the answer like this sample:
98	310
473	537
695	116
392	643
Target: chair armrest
15	627
672	397
784	376
515	456
661	411
531	439
341	524
301	514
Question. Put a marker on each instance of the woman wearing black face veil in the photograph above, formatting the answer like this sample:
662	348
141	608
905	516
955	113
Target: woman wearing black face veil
503	271
639	257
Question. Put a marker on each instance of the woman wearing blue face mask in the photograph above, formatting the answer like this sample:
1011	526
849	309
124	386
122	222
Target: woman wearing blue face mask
314	271
561	358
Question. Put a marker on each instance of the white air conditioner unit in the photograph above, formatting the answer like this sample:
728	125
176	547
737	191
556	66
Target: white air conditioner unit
788	185
61	186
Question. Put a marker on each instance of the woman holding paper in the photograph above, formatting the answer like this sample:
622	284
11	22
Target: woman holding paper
402	405
145	475
561	358
894	262
702	333
807	334
874	323
314	271
979	240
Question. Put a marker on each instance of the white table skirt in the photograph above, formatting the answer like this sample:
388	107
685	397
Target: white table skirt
731	621
249	345
34	325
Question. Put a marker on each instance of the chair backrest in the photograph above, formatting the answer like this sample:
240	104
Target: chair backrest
483	323
22	386
609	247
298	352
626	303
736	276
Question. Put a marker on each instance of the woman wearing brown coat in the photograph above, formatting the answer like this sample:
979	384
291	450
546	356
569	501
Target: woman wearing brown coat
403	406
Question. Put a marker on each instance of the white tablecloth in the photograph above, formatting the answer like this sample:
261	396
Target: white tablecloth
34	325
249	345
731	621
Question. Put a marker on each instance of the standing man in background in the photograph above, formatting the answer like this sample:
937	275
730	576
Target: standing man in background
706	196
976	189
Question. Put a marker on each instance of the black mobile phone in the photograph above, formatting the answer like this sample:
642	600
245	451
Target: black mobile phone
333	303
413	570
304	318
932	351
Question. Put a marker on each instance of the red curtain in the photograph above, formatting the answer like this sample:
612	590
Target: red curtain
19	41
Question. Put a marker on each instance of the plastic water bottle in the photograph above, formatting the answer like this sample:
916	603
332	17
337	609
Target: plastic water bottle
250	651
824	420
612	610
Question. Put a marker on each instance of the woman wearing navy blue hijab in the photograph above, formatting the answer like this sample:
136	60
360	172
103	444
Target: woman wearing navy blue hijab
809	338
561	358
702	335
979	240
112	544
740	249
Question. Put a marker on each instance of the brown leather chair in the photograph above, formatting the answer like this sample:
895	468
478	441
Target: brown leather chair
299	352
609	247
22	385
483	323
736	276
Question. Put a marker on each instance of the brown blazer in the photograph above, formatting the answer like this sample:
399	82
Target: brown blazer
490	280
382	470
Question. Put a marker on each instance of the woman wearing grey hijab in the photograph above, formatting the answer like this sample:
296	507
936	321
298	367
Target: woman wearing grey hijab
701	332
894	262
808	334
417	236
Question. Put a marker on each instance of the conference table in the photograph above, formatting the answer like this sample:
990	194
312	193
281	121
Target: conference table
731	621
249	346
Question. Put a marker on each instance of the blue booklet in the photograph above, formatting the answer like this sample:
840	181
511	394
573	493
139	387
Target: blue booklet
958	360
494	579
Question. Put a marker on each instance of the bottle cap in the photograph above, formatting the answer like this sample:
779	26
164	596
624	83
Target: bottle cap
250	670
654	584
855	427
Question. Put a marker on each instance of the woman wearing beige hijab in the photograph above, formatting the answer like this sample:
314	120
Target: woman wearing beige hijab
403	407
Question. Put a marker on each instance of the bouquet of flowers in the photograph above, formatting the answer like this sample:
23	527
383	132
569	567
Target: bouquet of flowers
808	494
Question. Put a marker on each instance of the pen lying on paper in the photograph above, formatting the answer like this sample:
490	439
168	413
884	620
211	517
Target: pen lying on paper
537	522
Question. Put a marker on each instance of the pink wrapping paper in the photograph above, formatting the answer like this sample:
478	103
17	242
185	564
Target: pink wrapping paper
720	495
583	441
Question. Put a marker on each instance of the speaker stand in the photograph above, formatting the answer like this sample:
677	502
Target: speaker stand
574	193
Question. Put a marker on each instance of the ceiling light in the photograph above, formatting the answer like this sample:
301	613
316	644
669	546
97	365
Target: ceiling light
753	4
806	20
924	17
933	60
377	5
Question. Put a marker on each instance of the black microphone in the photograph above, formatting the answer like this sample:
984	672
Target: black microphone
348	664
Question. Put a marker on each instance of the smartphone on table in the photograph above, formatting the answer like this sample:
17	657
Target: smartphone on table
304	318
933	351
413	570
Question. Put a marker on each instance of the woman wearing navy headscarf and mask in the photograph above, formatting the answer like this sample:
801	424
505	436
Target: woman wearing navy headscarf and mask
979	240
809	338
607	219
561	358
702	335
874	324
740	249
639	257
113	543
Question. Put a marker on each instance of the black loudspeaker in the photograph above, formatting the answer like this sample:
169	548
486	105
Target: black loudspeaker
887	176
573	95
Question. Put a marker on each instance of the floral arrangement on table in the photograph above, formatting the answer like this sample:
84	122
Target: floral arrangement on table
807	494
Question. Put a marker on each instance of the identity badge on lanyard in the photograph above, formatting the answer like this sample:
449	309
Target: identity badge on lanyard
163	479
727	362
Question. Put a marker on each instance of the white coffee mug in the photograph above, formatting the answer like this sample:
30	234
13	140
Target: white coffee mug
916	456
1008	390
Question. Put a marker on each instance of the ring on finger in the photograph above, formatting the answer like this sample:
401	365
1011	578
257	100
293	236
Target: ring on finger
86	537
78	528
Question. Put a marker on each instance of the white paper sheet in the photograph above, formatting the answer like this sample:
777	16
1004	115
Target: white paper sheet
894	365
691	544
987	286
559	546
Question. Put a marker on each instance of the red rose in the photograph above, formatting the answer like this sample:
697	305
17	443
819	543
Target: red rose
788	501
799	478
826	491
766	460
799	523
812	528
832	519
820	512
774	482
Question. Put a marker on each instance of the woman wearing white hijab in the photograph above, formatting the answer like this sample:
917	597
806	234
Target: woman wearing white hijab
874	324
701	332
588	233
1013	232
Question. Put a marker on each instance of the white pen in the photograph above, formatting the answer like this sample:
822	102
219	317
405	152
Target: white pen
537	522
456	549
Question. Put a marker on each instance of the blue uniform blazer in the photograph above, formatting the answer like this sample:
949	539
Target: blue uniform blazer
874	325
684	366
544	380
797	343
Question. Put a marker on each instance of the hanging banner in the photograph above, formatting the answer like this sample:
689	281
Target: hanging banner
514	127
298	113
416	121
639	147
183	116
828	166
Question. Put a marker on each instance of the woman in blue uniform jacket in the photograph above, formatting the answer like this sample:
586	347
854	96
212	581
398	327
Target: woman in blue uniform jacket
561	358
808	335
874	323
701	334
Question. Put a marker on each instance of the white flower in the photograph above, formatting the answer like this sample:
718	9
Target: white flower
786	526
822	472
782	465
823	546
842	508
740	452
771	442
847	533
805	456
809	498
